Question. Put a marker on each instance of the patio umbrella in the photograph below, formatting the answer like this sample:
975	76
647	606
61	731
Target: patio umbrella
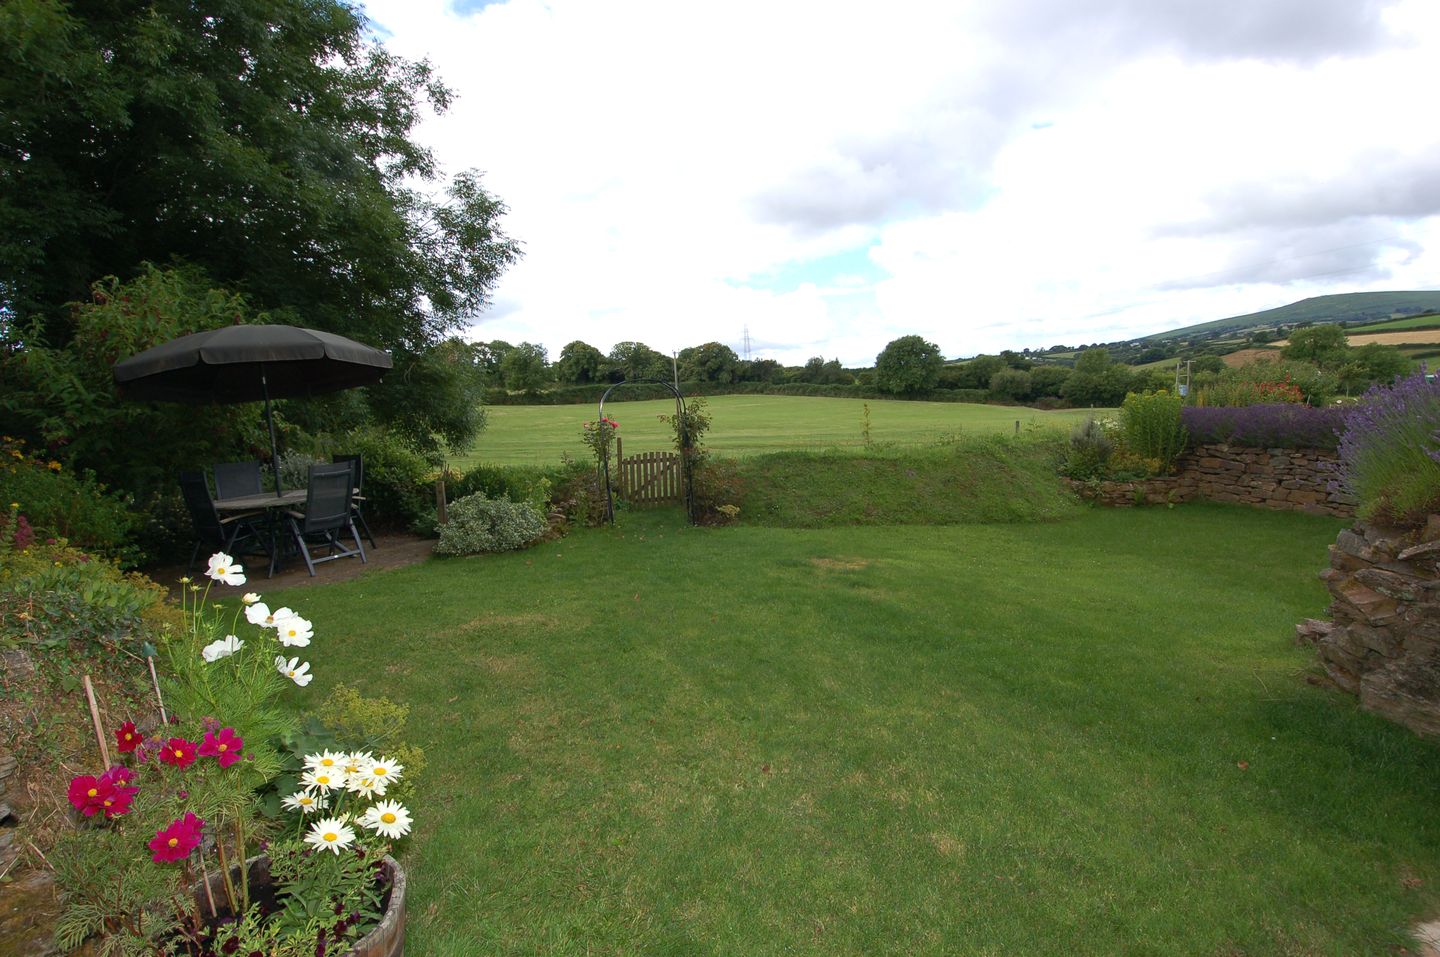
250	364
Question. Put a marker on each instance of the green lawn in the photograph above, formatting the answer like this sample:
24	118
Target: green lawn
744	425
1091	736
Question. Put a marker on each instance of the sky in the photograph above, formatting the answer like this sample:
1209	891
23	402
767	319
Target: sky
987	174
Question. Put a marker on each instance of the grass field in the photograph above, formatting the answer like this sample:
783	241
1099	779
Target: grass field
1089	737
1397	325
745	425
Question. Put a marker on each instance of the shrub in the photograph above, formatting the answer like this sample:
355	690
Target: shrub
1274	425
480	524
1151	426
399	483
1088	455
57	503
1388	457
1270	382
519	483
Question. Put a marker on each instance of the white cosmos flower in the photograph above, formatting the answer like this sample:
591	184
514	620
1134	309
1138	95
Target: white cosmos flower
224	570
249	598
296	670
260	614
334	760
223	648
331	833
294	631
388	818
305	802
325	779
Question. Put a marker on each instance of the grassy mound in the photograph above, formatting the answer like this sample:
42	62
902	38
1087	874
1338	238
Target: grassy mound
976	479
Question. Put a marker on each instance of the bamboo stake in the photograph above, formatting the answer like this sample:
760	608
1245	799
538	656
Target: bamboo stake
95	716
155	680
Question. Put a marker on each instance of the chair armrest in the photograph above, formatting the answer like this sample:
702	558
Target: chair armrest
227	519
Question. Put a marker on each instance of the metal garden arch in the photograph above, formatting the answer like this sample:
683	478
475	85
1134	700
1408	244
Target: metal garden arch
686	477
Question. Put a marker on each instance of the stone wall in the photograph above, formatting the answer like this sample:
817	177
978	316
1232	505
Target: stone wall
1290	479
1383	642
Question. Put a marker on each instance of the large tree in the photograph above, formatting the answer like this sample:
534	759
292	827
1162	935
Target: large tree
711	362
631	361
580	364
267	142
908	366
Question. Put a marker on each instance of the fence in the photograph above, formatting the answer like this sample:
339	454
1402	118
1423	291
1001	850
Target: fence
650	477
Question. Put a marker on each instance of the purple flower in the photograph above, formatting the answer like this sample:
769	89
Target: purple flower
1274	425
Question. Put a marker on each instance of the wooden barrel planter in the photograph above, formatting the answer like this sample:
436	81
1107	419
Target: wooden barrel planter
386	939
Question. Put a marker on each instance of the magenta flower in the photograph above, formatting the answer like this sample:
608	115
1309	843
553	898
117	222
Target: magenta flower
223	745
175	842
179	752
88	794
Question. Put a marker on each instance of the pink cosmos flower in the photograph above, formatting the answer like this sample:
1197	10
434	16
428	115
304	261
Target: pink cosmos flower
88	794
223	745
179	752
175	842
127	738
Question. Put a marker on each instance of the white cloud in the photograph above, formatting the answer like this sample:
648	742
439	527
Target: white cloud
1022	173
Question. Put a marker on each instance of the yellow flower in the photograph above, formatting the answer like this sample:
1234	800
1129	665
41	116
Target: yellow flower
14	504
53	465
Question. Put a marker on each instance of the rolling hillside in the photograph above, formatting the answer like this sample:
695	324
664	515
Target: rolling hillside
1346	307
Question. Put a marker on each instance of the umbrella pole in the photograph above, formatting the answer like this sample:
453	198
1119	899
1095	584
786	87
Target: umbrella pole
270	421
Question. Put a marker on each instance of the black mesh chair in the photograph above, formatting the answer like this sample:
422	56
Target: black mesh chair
328	505
234	479
234	534
358	464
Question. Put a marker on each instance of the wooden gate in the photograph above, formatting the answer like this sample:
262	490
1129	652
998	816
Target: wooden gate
651	477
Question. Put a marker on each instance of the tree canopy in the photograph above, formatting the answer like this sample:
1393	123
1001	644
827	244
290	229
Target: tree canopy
267	142
908	365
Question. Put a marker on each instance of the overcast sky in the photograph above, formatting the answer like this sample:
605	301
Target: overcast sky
988	174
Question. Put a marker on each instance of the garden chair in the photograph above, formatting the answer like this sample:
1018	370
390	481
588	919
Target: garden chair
329	502
234	479
358	464
241	533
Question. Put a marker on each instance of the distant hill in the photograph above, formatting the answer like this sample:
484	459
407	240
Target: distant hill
1347	307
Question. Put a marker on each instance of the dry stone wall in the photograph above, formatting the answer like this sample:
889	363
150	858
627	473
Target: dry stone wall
1289	479
1383	640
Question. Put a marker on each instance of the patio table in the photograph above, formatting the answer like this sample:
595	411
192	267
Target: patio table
268	502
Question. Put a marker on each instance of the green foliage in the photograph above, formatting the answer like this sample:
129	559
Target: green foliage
1048	380
58	503
1258	383
711	362
480	524
399	482
1151	427
1087	457
908	366
688	430
525	368
430	400
1320	344
519	483
633	361
580	364
1096	380
1390	451
63	395
599	437
1012	385
1370	364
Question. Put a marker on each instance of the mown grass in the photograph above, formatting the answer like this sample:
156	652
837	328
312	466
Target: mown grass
747	425
1087	737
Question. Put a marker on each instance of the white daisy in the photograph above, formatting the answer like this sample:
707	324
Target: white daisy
305	802
249	598
260	614
294	631
296	670
324	779
331	834
224	570
358	761
366	787
223	648
384	770
334	760
388	818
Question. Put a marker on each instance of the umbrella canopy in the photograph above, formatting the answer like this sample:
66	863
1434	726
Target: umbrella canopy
250	364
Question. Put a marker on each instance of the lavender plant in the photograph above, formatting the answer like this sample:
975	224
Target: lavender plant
1275	425
1389	452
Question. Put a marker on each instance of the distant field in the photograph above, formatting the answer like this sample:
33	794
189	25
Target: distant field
1400	337
1244	357
1395	325
746	425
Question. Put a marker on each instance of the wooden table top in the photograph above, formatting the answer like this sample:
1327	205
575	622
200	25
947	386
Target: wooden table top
246	503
